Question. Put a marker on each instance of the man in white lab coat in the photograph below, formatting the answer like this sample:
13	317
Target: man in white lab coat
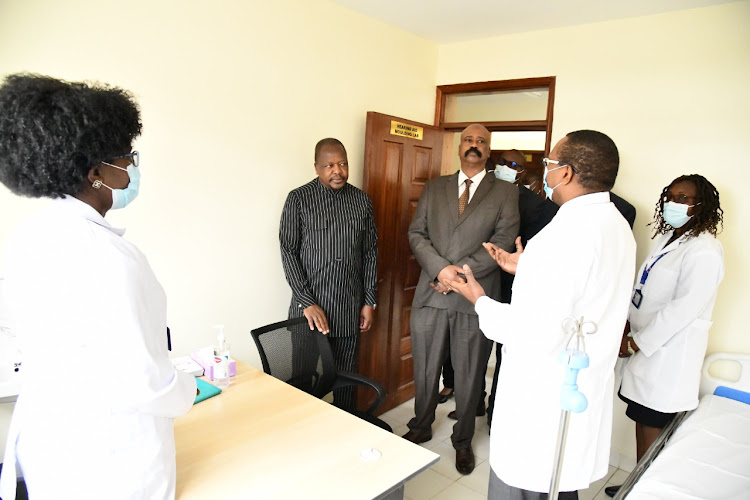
581	266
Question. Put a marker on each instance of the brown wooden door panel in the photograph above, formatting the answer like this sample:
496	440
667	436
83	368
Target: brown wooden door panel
412	273
395	171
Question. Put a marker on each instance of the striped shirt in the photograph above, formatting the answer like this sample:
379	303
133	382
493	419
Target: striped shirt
329	252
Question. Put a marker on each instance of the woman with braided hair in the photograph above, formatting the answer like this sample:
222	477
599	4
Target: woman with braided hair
666	335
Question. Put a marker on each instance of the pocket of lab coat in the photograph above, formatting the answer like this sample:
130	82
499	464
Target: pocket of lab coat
660	286
667	381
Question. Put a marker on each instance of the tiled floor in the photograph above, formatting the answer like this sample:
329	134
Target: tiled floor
443	482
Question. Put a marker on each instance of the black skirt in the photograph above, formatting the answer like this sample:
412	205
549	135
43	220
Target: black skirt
646	416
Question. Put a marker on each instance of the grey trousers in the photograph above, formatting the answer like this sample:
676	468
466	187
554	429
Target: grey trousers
498	490
433	332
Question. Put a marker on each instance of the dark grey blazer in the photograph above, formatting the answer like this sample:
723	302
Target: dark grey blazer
439	237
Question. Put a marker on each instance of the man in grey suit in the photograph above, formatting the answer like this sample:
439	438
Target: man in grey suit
455	215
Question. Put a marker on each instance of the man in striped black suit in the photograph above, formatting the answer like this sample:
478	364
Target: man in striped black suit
329	252
455	215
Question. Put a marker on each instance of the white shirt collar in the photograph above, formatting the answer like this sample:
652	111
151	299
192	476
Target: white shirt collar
474	180
83	209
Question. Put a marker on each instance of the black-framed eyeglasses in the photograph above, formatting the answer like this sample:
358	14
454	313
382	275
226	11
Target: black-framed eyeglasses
680	198
546	162
512	164
134	158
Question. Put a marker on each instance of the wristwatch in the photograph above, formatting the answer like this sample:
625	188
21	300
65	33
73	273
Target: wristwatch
630	348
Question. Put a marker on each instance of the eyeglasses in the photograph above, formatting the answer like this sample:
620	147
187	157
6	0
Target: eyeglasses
547	161
680	198
512	164
134	158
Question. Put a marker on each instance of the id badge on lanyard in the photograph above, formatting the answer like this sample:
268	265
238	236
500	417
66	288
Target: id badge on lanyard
637	294
637	298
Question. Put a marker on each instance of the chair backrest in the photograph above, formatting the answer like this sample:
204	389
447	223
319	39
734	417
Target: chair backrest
294	354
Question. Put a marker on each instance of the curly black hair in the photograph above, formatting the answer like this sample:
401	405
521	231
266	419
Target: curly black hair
595	158
708	218
52	132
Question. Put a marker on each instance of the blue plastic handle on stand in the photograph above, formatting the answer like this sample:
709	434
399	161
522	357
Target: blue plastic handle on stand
571	399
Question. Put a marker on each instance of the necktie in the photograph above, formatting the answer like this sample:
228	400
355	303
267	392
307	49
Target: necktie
463	200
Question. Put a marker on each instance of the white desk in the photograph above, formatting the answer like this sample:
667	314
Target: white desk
263	439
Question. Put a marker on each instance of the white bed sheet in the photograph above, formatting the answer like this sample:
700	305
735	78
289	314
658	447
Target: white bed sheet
708	456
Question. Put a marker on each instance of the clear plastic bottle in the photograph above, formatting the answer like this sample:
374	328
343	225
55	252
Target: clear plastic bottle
221	359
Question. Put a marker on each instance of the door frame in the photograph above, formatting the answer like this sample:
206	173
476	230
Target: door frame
548	82
385	352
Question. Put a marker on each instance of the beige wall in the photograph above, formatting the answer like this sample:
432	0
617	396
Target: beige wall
234	96
671	90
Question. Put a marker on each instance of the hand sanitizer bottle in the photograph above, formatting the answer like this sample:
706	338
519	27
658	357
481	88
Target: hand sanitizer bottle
221	359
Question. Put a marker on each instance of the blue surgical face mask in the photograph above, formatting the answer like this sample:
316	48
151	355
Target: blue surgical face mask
675	214
122	197
505	173
547	190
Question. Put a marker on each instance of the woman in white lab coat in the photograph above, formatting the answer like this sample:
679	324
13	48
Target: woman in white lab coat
94	417
666	336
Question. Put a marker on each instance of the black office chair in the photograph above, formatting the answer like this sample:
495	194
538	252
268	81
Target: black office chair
302	358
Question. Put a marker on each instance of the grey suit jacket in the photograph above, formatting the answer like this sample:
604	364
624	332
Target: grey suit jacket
439	237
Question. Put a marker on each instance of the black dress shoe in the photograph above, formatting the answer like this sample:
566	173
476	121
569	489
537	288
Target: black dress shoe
480	412
465	460
445	397
416	437
612	490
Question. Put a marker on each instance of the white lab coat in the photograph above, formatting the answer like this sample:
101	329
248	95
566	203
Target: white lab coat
671	325
581	265
94	417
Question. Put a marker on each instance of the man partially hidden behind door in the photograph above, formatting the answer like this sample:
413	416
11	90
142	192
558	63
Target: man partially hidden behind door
329	252
447	231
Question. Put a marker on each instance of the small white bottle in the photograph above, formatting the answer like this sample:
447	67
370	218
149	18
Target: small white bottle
221	359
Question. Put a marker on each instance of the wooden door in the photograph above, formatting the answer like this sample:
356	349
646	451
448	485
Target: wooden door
396	168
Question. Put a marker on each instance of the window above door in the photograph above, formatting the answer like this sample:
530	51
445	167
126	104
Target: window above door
522	105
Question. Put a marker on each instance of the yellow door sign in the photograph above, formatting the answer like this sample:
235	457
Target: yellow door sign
406	130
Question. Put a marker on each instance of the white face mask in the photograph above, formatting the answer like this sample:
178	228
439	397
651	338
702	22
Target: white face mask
505	173
675	214
548	190
122	197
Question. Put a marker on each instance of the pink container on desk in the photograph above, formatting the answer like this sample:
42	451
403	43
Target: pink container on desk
205	358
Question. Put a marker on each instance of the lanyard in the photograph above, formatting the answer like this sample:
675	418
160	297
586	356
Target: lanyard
644	276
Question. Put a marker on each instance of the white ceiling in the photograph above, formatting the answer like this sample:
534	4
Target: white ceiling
446	21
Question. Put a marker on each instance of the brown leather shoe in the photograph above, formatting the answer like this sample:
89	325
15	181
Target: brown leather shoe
480	412
416	437
465	460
